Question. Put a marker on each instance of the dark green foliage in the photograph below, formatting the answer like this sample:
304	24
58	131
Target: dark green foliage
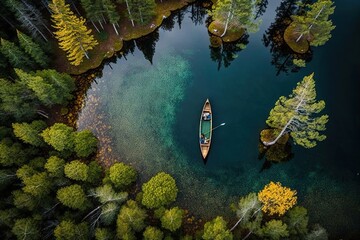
153	233
33	49
274	229
95	172
23	200
130	219
16	57
6	178
142	10
217	229
297	221
49	86
55	166
8	216
17	100
11	153
59	136
63	84
85	143
172	219
72	196
25	171
104	234
122	175
68	230
76	170
110	11
30	132
38	185
26	229
160	190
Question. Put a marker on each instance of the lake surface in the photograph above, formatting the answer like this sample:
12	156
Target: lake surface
145	108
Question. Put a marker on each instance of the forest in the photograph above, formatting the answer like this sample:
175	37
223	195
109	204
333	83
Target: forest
53	186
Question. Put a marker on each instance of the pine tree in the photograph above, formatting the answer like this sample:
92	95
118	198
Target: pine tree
26	229
294	115
73	35
111	13
93	11
217	229
29	17
33	49
30	132
143	10
16	57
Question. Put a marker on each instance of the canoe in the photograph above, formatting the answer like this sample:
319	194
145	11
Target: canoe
205	129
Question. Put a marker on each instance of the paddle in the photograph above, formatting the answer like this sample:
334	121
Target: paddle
215	128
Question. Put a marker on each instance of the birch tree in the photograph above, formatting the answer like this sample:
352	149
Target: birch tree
315	25
295	115
73	35
247	207
235	13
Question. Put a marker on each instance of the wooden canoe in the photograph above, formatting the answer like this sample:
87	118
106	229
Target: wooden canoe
205	129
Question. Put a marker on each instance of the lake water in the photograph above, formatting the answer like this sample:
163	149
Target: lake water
145	109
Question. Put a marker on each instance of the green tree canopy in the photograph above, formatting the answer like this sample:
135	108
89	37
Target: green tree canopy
76	170
314	25
55	166
38	185
217	229
33	49
68	230
30	132
16	57
297	220
85	143
12	153
131	219
275	229
122	175
17	100
59	136
72	196
160	190
23	200
295	115
172	219
26	229
153	233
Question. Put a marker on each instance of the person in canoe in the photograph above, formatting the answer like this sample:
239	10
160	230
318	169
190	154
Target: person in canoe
206	116
203	139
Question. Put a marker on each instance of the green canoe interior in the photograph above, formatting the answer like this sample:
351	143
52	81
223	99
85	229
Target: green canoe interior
205	128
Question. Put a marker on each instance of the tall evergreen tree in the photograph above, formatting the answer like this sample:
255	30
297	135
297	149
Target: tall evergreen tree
30	18
143	10
14	54
17	100
73	35
49	86
93	10
294	115
111	13
30	132
33	49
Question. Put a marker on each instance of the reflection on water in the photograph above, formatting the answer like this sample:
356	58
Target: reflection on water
282	55
145	110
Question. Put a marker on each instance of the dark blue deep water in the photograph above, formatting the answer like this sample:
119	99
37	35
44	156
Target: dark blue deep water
148	104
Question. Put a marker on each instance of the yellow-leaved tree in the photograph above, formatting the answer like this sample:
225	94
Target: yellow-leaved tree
276	199
73	35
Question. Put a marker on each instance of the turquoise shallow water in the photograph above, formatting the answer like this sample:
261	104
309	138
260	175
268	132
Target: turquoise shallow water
149	104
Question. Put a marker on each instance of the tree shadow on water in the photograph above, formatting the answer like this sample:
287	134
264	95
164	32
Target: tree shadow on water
274	154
